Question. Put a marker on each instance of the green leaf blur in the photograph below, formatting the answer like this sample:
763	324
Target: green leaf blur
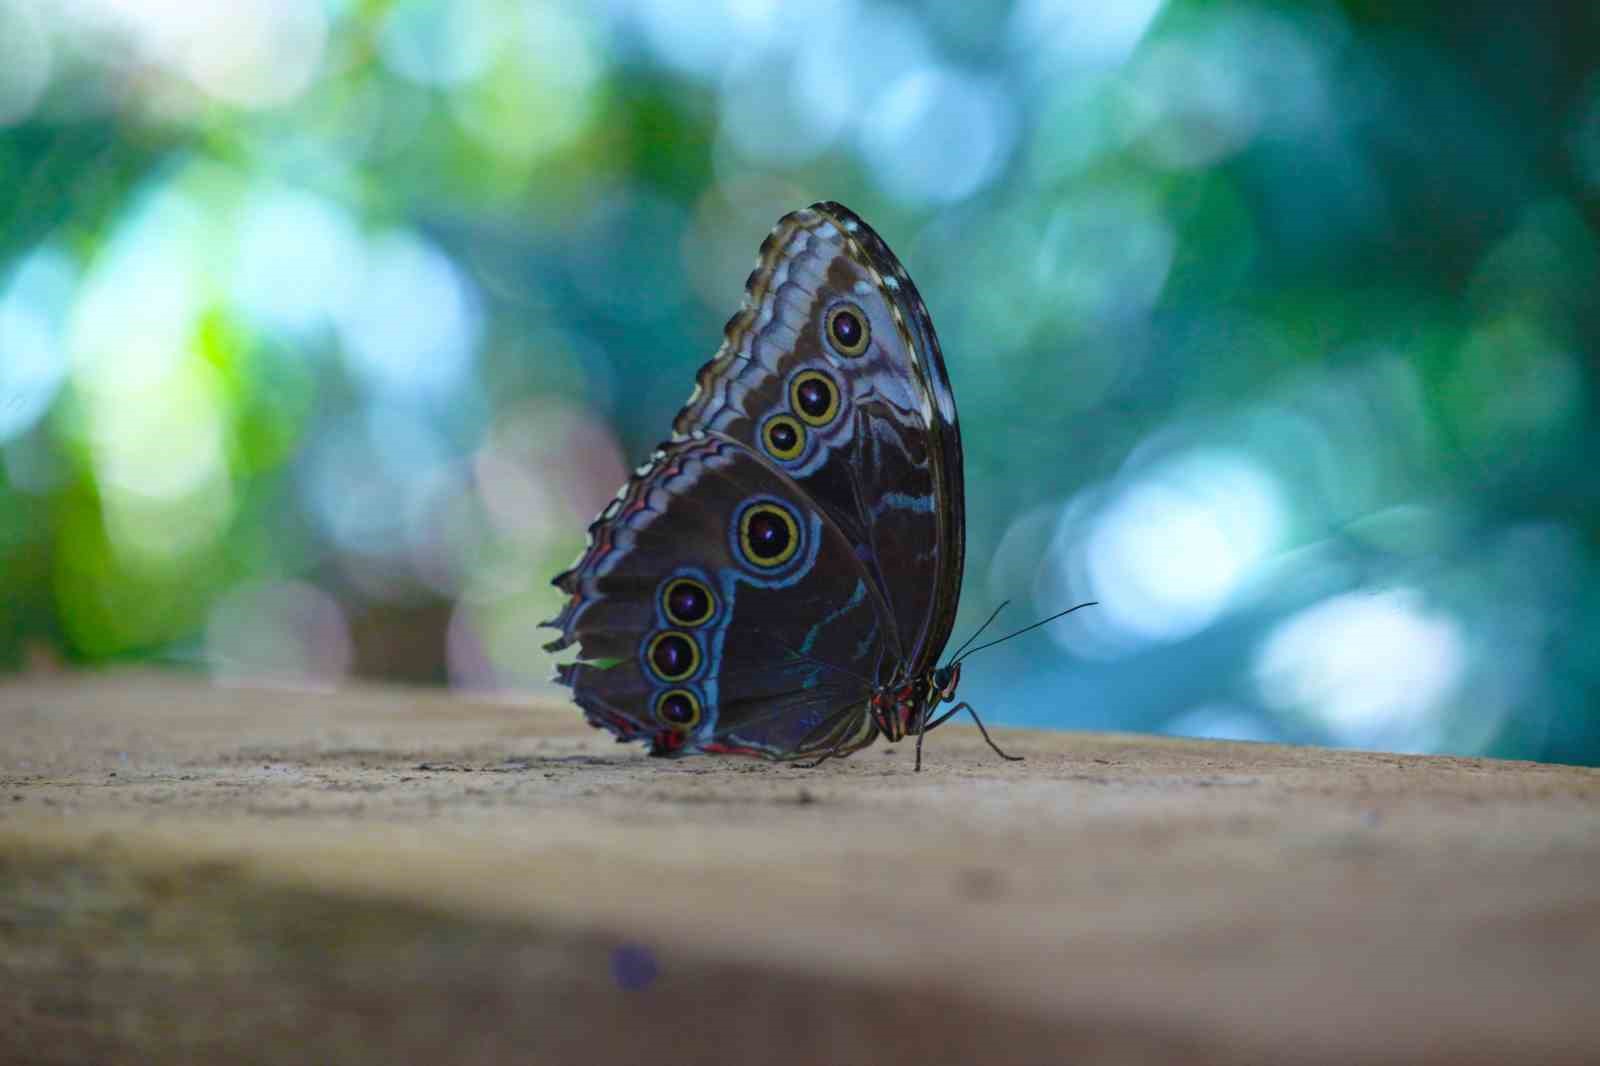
327	327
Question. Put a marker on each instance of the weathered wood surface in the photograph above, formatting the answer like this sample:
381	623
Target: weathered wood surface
201	874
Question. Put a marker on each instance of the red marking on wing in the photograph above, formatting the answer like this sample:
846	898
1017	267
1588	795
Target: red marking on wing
666	742
624	728
723	747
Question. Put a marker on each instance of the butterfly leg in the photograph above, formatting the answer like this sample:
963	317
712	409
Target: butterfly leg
952	712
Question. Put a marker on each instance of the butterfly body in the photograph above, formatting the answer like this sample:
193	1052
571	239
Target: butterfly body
781	577
903	709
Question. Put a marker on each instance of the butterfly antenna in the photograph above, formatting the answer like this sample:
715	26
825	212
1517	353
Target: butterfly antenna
1024	629
1003	605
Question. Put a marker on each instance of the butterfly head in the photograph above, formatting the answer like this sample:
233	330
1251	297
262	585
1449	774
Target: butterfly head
945	680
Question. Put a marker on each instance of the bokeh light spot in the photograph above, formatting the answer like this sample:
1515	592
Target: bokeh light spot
414	326
443	42
1105	255
252	53
938	135
1082	33
255	53
159	454
134	319
540	95
27	58
33	363
1373	668
299	262
701	37
1168	552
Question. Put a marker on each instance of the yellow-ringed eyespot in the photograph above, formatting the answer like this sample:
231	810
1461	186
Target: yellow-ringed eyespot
783	437
678	708
673	656
768	535
688	602
814	397
848	331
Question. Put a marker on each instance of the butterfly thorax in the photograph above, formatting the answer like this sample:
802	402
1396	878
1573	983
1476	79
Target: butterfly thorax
901	709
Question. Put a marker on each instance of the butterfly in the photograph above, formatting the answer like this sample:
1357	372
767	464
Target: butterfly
780	579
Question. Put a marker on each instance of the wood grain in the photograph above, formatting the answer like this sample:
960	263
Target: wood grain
191	873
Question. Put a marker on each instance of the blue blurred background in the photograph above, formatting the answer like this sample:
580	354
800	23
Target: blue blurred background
326	326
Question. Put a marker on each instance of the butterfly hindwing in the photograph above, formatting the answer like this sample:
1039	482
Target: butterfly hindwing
714	610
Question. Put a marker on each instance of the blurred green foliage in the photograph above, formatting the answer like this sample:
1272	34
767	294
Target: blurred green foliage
326	326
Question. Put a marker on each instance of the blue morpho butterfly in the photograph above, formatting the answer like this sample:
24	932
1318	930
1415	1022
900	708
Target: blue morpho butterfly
780	578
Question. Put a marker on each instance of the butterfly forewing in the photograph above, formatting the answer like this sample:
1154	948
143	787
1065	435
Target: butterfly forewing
886	464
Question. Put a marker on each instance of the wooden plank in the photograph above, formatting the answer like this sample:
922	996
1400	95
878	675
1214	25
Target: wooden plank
192	873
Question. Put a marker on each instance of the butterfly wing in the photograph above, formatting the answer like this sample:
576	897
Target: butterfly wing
831	371
716	611
825	426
